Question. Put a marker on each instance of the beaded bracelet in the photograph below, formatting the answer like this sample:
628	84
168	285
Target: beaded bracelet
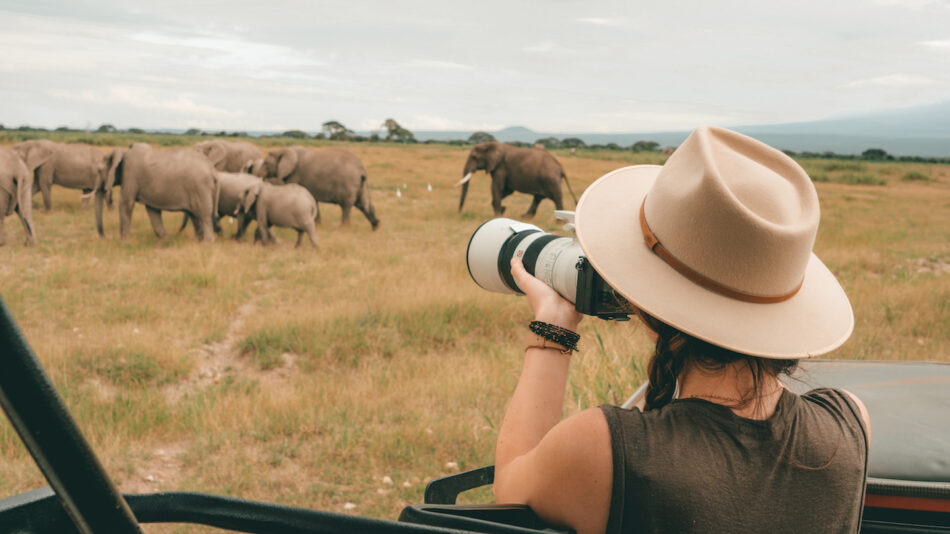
557	334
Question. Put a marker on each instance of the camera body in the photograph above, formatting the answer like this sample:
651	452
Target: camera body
557	261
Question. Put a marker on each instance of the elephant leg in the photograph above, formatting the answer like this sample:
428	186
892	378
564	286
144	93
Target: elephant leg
216	221
534	206
2	217
316	220
195	222
44	176
346	213
497	193
243	223
155	216
299	238
125	217
207	227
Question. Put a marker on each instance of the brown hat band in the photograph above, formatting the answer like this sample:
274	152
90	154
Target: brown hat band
700	279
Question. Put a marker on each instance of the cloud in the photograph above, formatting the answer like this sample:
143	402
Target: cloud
142	98
939	45
897	80
603	21
219	51
436	64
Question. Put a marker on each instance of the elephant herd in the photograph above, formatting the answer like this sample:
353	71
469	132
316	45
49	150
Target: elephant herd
220	178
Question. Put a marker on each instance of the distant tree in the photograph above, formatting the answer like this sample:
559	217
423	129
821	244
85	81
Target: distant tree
480	137
645	146
192	131
876	154
106	128
62	129
319	135
395	132
614	146
136	131
549	142
572	142
238	134
336	130
296	134
25	128
2	127
374	136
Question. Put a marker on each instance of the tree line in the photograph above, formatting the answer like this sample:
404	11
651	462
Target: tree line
392	132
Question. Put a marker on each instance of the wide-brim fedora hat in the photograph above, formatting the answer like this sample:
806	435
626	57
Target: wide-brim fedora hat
717	242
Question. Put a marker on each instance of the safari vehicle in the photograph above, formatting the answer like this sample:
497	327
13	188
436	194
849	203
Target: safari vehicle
908	486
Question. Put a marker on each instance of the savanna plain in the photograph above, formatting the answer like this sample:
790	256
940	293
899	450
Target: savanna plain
344	379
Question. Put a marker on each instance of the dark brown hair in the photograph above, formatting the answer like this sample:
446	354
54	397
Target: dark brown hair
674	349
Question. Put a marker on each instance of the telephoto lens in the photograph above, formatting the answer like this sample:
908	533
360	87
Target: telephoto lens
557	261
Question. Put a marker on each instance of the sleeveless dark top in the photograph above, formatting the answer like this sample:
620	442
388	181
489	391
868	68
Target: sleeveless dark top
694	466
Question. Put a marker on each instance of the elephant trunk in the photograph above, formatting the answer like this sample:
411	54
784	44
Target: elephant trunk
24	205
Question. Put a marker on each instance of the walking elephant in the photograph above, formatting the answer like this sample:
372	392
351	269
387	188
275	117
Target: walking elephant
331	175
164	180
525	170
286	205
74	166
229	156
16	193
232	186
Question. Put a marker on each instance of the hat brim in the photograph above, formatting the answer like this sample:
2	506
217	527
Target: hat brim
815	321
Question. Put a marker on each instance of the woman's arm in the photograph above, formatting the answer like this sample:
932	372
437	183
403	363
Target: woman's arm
563	469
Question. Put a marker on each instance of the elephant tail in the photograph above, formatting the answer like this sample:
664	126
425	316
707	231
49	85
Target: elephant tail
569	190
184	222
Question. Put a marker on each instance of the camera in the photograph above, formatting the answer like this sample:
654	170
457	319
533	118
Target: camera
557	261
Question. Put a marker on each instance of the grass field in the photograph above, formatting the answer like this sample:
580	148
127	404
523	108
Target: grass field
344	379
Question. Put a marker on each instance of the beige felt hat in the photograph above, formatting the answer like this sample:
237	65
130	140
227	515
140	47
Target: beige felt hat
717	243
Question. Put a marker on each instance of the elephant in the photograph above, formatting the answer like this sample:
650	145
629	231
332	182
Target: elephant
331	175
75	166
232	186
171	180
16	193
229	156
284	205
526	170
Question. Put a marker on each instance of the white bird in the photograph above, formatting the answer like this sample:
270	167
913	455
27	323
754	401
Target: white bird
429	187
398	193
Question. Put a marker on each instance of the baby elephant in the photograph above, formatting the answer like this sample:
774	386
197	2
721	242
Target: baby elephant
287	206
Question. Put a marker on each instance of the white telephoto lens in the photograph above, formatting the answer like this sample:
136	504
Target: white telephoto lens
484	249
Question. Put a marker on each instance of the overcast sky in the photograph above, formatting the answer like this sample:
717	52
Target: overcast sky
553	66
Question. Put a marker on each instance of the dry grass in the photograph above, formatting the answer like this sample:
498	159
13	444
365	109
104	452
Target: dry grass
309	378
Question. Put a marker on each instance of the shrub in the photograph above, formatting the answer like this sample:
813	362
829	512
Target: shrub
915	176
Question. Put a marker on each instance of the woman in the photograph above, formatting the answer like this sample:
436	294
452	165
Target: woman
714	249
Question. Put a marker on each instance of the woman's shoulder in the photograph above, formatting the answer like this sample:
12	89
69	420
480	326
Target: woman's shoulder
841	403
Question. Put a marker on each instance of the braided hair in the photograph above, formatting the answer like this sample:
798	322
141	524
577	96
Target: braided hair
674	349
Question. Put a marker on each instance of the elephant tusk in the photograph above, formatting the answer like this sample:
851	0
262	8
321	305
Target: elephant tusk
464	179
87	195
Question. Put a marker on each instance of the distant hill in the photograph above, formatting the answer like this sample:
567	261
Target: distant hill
917	131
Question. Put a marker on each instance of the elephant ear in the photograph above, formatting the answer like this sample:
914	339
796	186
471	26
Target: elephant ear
251	194
286	163
494	155
35	154
216	153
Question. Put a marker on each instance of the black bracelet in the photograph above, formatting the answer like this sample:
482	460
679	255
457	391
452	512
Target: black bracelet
561	336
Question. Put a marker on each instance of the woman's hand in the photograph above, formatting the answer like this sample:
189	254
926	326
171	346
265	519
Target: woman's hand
545	302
